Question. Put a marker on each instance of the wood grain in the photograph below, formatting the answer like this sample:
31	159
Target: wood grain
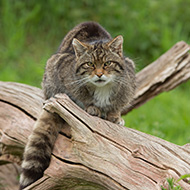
164	74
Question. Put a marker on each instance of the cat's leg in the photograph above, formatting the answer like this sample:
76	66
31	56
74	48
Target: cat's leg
38	150
93	110
115	117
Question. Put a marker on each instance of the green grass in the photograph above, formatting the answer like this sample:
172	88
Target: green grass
31	32
165	116
173	184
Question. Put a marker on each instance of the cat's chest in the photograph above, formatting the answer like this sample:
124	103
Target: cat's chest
102	97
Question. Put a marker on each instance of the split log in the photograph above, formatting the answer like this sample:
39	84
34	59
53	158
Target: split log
91	153
164	74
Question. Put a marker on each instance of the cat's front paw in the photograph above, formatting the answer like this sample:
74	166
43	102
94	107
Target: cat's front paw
121	122
117	120
114	118
94	111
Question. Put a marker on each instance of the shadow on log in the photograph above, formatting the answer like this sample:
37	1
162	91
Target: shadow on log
91	153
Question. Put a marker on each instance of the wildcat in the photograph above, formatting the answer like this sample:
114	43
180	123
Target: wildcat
91	69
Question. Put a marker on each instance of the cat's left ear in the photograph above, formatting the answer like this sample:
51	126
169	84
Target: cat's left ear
116	45
79	47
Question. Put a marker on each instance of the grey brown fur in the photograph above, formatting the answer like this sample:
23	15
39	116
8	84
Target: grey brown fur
91	69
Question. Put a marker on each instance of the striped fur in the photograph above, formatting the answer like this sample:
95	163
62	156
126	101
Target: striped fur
90	68
38	150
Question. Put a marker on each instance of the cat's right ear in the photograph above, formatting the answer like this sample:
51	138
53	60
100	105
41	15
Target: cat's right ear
79	47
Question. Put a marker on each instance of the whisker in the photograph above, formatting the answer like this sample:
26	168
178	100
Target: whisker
122	81
77	81
79	85
137	59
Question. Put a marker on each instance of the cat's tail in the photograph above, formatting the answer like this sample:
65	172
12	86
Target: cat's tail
38	150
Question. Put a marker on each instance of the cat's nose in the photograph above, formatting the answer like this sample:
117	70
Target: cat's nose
99	74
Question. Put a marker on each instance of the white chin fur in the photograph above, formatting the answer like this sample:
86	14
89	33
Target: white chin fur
100	84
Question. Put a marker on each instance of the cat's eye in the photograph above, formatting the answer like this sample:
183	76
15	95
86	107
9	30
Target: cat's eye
108	63
90	64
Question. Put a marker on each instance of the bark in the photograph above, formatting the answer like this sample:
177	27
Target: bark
91	153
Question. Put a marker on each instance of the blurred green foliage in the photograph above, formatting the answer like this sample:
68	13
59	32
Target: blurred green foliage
31	31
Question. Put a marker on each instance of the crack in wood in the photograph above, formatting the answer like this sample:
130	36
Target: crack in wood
150	163
79	164
143	174
19	108
183	59
64	134
19	142
39	182
174	153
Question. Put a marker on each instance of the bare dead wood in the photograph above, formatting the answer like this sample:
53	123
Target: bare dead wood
20	105
93	153
167	72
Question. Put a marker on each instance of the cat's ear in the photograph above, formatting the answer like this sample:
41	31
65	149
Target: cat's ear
116	45
79	47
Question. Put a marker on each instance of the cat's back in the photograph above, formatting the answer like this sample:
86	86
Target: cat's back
85	32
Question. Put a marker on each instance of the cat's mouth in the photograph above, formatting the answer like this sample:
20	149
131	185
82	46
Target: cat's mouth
100	81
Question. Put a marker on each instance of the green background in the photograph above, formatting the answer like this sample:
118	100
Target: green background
31	31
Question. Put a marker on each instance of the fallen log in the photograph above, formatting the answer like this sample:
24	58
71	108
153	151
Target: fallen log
164	74
91	153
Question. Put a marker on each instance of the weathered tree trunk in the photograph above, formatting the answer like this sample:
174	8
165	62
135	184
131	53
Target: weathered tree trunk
91	153
164	74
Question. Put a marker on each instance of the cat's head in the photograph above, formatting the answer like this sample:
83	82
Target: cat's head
99	63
